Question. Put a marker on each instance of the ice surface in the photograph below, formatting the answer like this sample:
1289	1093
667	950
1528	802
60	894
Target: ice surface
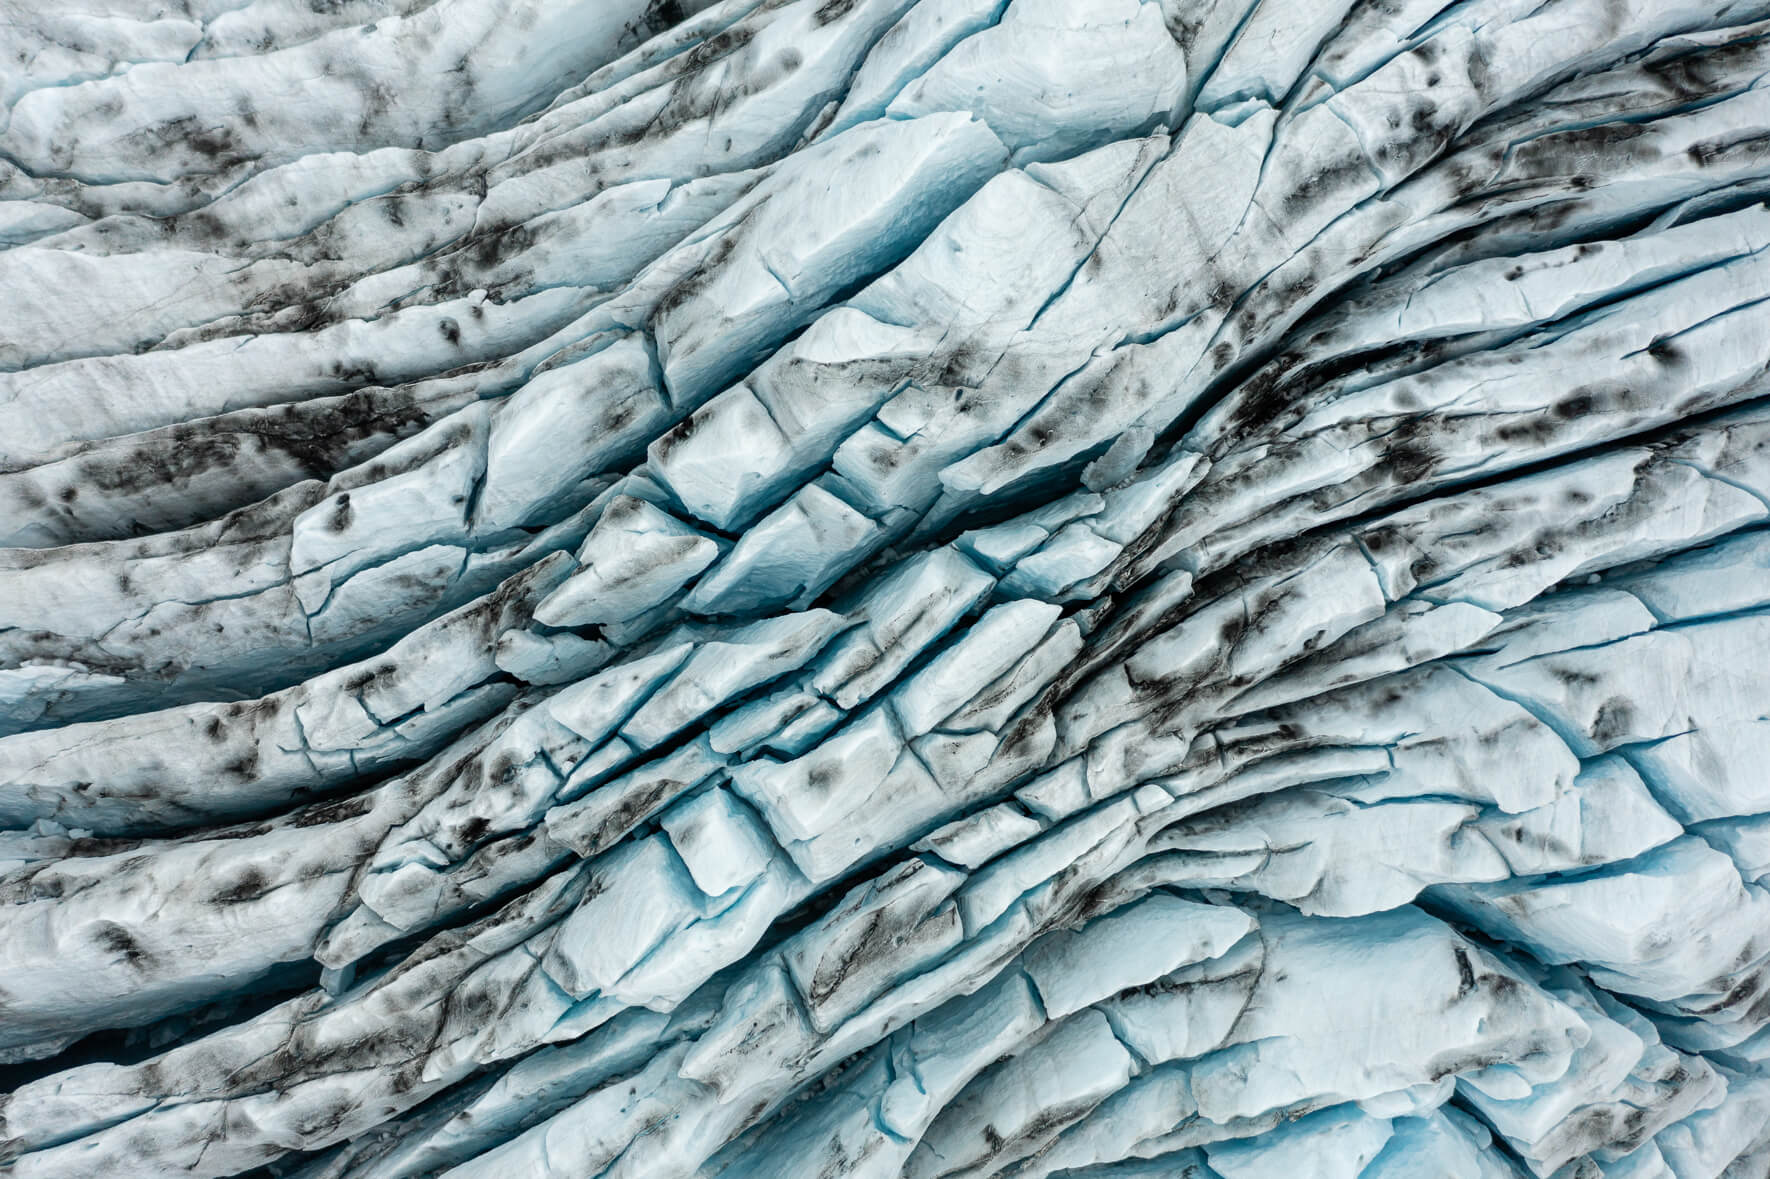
937	588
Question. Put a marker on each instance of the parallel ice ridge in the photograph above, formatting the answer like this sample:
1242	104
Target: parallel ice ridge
1095	589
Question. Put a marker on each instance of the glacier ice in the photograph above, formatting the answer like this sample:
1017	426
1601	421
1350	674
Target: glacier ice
1092	589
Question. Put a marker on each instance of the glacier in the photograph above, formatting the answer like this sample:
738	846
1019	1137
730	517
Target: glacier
758	589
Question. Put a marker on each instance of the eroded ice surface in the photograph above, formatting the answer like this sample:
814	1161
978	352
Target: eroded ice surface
1103	589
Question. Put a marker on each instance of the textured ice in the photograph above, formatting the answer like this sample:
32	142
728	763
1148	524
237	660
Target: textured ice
1090	589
